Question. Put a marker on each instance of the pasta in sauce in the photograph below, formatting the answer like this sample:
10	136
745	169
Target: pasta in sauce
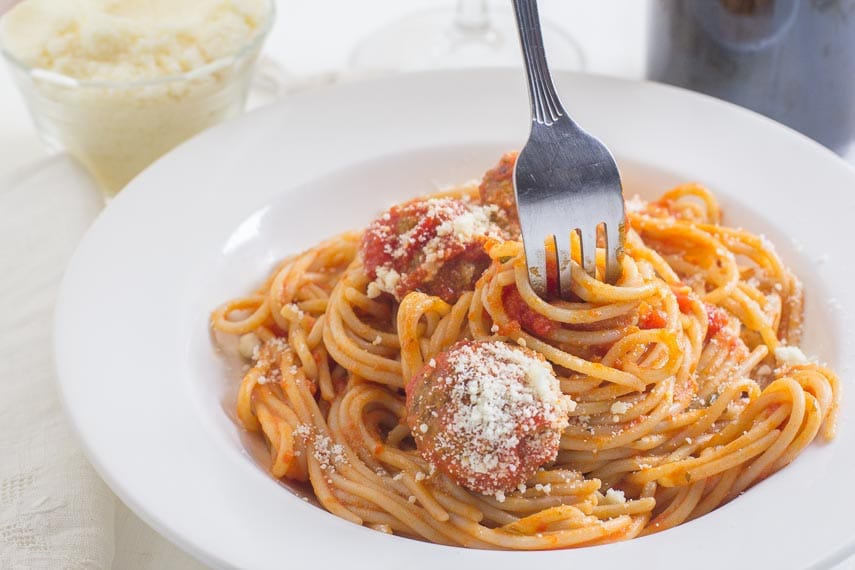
683	383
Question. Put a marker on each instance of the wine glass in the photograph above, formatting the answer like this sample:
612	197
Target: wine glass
470	33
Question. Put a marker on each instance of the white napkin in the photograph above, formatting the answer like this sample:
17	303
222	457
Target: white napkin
55	512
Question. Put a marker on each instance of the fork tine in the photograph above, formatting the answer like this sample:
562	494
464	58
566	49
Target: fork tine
588	246
565	264
535	259
612	235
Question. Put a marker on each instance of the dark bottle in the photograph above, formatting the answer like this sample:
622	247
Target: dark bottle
792	60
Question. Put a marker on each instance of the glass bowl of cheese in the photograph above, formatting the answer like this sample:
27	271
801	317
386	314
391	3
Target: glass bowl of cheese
118	83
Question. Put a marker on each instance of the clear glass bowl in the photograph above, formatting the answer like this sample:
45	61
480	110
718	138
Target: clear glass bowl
116	129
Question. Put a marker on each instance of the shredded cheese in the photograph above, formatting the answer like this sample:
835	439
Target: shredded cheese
790	355
614	497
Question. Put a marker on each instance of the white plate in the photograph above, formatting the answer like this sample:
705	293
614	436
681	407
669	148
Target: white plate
151	399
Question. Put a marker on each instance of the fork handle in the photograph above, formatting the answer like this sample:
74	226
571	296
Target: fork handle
546	107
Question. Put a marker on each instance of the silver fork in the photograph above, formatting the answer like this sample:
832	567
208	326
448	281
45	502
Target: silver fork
565	179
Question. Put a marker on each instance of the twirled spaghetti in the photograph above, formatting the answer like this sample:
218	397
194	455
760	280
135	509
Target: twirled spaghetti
687	383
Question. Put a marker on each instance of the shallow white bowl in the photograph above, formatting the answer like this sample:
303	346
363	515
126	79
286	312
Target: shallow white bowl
152	400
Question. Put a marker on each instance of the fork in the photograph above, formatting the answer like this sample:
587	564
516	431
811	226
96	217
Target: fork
565	179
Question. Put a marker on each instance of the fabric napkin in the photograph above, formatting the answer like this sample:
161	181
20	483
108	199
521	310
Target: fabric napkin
55	512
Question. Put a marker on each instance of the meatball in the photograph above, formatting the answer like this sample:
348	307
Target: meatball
434	245
497	188
487	414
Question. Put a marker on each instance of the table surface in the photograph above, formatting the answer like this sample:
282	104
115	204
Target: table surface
47	202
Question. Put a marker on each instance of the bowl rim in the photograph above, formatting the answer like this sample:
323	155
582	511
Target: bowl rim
64	80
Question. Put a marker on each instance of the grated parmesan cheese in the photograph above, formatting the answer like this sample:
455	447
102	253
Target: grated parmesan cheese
790	355
327	453
614	497
635	204
387	279
272	377
373	291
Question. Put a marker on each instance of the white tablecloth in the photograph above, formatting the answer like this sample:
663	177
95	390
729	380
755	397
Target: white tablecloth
55	512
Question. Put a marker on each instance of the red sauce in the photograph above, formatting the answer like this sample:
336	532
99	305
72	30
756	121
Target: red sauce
650	318
518	310
717	319
684	298
684	391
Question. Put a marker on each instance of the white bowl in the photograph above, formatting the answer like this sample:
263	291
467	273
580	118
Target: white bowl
152	400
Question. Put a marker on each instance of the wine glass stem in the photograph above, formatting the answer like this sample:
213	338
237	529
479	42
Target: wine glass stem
472	15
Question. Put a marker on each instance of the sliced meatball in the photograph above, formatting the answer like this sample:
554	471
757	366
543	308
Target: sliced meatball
433	245
487	414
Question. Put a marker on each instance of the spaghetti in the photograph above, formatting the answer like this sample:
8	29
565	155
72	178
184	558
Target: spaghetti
687	383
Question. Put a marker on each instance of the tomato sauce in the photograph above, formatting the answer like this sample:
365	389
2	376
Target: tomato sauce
518	310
